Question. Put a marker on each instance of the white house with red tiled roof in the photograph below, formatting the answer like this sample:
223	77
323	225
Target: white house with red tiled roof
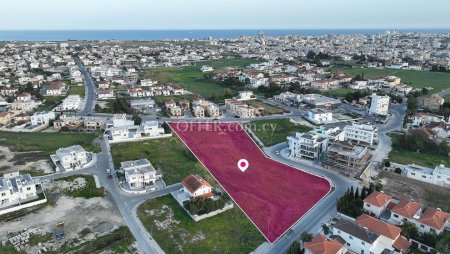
405	210
196	187
376	203
433	221
321	245
389	234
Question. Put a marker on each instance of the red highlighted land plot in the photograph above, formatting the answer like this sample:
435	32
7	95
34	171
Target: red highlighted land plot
273	195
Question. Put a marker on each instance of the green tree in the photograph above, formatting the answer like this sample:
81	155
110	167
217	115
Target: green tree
294	248
409	230
306	237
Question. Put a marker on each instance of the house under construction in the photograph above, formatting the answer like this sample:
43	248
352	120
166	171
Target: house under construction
347	158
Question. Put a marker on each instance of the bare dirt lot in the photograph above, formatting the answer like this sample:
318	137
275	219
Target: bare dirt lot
85	220
8	163
424	193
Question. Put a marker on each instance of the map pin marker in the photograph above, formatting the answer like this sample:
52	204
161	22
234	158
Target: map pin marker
243	165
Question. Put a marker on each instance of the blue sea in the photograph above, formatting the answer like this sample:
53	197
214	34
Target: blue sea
130	35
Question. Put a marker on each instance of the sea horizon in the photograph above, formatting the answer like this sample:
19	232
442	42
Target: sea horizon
181	34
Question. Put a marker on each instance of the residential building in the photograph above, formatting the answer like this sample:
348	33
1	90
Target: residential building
42	118
55	89
370	235
212	110
321	245
119	120
240	109
379	105
128	132
94	123
72	102
175	111
361	133
70	158
139	174
440	175
319	116
206	68
16	189
405	210
105	94
245	95
376	203
433	221
196	187
198	111
151	128
432	102
347	158
142	104
307	146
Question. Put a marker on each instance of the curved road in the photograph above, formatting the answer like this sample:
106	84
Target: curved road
91	93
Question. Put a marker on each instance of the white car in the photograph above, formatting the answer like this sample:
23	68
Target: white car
108	171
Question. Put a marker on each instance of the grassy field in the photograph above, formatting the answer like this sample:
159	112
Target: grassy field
228	232
193	80
272	132
77	90
168	155
9	249
423	159
417	79
268	109
50	102
89	191
40	145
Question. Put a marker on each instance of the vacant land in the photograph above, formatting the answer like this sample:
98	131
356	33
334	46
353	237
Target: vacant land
274	208
50	102
417	79
424	193
268	109
193	80
168	155
40	145
92	223
423	159
272	132
77	90
86	182
176	232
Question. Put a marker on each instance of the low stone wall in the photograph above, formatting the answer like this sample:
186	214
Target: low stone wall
196	218
139	139
17	208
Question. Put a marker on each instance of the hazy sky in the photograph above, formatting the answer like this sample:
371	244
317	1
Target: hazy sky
223	14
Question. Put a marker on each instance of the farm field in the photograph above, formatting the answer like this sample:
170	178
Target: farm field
275	131
193	80
273	207
418	79
176	232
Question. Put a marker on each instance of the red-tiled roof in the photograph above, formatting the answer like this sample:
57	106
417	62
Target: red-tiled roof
378	226
193	183
434	218
377	199
402	244
406	208
321	245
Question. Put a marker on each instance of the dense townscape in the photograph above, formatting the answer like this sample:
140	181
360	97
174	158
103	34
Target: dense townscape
135	146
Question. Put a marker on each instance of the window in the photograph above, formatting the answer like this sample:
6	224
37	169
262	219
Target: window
395	215
351	237
422	226
413	174
363	243
28	188
368	205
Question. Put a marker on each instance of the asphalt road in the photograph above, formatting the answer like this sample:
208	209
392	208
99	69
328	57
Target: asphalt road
91	93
